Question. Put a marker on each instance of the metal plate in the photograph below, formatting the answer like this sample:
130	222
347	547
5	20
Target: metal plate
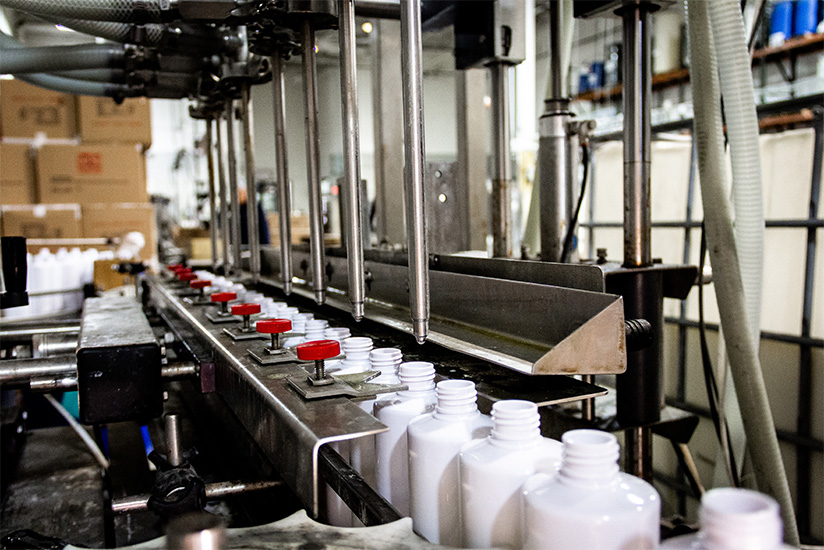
215	318
264	358
237	334
349	385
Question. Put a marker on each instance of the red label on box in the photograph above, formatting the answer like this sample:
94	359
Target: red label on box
89	163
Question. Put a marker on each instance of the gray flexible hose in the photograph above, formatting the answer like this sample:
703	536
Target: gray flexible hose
117	32
79	87
123	11
20	60
115	76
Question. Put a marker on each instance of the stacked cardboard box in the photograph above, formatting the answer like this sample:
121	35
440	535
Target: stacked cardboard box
83	155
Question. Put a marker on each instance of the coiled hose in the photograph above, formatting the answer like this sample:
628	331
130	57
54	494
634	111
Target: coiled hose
741	347
42	59
123	11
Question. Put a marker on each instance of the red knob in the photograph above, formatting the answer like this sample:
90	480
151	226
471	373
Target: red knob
187	277
224	296
274	326
318	350
182	269
245	309
174	267
200	283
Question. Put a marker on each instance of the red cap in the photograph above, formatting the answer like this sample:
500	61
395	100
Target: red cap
182	269
187	277
200	283
224	296
174	267
245	309
318	350
273	326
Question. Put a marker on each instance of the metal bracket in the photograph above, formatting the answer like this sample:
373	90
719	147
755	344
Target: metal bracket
351	385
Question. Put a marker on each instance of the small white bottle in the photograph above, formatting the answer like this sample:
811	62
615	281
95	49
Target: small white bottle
337	333
734	519
434	440
591	503
396	410
494	469
315	330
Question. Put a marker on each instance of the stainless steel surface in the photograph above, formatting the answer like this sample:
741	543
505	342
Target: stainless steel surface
21	371
637	95
68	382
284	197
557	74
501	172
46	345
252	221
554	178
32	331
354	227
52	384
471	170
414	147
289	429
210	174
224	203
173	450
638	452
234	198
139	503
588	405
310	96
196	532
446	209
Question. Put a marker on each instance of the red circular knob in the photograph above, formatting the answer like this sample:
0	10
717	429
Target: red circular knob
200	283
187	277
182	269
224	296
318	350
174	267
245	309
273	326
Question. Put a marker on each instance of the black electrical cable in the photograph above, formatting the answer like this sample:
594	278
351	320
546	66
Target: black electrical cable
717	413
573	223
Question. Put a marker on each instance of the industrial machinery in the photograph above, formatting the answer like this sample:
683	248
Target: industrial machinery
535	329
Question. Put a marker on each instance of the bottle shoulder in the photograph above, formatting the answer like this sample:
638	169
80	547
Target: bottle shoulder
543	455
624	493
435	427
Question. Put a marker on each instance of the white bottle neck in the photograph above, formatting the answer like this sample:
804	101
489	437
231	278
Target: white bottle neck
457	400
515	424
740	519
590	458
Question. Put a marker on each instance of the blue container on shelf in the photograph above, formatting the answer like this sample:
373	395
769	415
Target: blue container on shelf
596	75
583	82
805	18
781	22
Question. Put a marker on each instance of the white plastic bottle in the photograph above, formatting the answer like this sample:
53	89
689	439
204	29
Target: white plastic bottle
591	503
434	440
494	469
396	410
315	330
734	519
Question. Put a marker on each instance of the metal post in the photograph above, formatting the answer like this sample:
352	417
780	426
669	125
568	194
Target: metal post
501	173
413	139
638	452
224	205
554	165
284	189
557	74
251	189
637	75
351	156
210	168
316	244
237	267
173	440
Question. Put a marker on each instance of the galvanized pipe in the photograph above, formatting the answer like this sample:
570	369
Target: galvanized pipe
284	189
252	222
310	88
351	157
210	169
233	186
224	204
501	173
637	94
140	503
414	154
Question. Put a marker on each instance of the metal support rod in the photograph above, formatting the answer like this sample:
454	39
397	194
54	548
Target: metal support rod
351	157
638	451
224	204
173	451
61	368
310	97
284	188
34	331
588	405
252	221
210	170
414	154
501	173
140	503
637	94
557	74
233	186
554	176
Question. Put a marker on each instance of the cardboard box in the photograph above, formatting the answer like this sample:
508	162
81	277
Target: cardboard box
116	220
16	174
42	221
26	110
89	174
101	120
299	228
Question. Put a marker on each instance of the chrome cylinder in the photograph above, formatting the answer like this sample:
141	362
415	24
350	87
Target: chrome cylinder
210	169
234	212
252	222
224	203
284	188
554	178
501	172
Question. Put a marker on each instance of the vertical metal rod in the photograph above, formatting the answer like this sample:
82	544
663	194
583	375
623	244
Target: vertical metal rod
501	173
637	75
237	267
284	189
172	422
588	405
210	168
316	244
414	154
252	221
351	156
554	173
638	450
557	74
224	209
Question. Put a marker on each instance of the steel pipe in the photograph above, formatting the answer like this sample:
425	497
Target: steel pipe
224	207
310	97
140	503
252	222
501	172
284	188
234	212
414	155
351	157
210	169
173	450
21	371
554	176
33	331
557	74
